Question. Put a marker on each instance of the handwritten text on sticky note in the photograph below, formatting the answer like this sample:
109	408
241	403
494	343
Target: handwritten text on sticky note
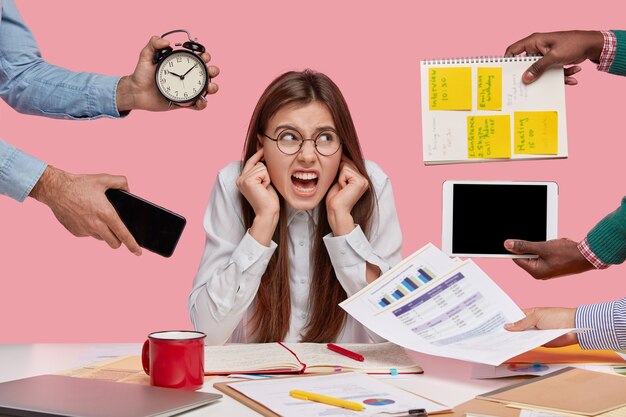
489	88
450	88
536	132
488	137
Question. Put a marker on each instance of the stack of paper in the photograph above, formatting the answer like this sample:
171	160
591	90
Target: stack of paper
542	361
571	391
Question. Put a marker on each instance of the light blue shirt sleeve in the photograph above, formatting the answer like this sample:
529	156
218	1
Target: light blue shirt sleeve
19	172
30	85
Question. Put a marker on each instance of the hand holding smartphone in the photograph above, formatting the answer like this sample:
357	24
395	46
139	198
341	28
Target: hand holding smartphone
154	228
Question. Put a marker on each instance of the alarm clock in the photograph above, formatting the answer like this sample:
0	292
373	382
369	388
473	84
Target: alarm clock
181	74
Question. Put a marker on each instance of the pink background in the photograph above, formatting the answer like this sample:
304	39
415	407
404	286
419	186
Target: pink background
58	288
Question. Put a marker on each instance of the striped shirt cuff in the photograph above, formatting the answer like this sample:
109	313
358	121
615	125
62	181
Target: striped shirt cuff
607	322
608	51
586	251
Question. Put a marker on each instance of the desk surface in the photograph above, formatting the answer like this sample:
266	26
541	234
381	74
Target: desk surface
445	380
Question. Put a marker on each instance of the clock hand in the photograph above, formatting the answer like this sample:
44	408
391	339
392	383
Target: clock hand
173	73
189	70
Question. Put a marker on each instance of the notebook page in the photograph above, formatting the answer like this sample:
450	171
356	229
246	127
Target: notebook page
477	109
379	357
250	357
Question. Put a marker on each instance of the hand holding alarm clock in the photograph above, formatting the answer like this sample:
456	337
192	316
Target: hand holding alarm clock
182	76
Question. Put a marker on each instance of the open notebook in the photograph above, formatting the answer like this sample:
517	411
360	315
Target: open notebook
478	109
380	358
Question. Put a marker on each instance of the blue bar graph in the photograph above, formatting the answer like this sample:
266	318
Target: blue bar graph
384	302
424	276
409	284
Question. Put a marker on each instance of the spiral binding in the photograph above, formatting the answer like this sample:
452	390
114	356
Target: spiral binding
482	60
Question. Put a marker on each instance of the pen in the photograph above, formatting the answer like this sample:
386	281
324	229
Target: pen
345	352
415	412
325	399
536	366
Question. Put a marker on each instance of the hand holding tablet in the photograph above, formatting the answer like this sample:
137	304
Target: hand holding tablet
478	216
555	257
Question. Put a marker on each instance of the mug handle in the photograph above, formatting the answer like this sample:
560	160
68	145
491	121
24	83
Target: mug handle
145	357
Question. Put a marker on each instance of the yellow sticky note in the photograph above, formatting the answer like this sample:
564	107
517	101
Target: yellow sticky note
450	88
488	137
536	132
489	89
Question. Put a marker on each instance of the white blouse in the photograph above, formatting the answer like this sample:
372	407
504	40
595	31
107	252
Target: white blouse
222	300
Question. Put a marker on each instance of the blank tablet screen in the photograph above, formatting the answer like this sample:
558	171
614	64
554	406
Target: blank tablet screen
484	216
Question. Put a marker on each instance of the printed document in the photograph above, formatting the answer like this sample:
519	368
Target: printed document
376	396
436	305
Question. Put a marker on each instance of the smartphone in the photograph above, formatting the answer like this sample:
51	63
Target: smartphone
154	228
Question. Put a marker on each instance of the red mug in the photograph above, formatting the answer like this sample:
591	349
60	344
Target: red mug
174	359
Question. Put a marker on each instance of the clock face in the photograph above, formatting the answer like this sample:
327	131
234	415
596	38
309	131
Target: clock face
182	77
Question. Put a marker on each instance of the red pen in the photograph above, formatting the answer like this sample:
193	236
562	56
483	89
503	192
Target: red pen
345	352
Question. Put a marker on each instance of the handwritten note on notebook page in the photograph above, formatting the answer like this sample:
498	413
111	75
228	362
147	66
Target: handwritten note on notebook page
380	358
478	109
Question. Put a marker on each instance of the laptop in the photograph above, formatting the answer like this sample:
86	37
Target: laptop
58	395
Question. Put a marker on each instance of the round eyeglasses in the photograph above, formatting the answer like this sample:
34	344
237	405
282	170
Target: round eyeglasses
290	142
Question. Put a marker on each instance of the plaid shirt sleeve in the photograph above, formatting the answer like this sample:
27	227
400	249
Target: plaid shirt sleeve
608	51
586	251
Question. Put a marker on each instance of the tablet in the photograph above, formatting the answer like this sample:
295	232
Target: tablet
478	216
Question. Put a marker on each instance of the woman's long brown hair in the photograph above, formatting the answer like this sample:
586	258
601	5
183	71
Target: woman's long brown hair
272	313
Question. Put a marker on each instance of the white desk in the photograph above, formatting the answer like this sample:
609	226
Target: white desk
445	380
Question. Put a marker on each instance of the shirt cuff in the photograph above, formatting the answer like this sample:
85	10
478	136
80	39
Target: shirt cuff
250	254
104	95
590	256
600	319
608	51
19	172
116	110
352	249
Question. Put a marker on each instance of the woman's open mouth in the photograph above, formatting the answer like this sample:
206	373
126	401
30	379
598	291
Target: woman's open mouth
304	183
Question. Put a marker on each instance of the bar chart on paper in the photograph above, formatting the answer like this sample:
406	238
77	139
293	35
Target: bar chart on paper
441	306
409	284
416	272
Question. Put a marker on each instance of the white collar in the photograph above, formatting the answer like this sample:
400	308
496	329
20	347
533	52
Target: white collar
292	213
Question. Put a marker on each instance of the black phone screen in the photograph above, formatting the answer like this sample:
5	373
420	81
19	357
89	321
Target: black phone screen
154	228
484	216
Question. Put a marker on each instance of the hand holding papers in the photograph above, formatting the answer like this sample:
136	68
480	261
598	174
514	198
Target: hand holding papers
441	306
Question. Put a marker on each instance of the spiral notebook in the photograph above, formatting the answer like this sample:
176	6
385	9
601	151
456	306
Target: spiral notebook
478	109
